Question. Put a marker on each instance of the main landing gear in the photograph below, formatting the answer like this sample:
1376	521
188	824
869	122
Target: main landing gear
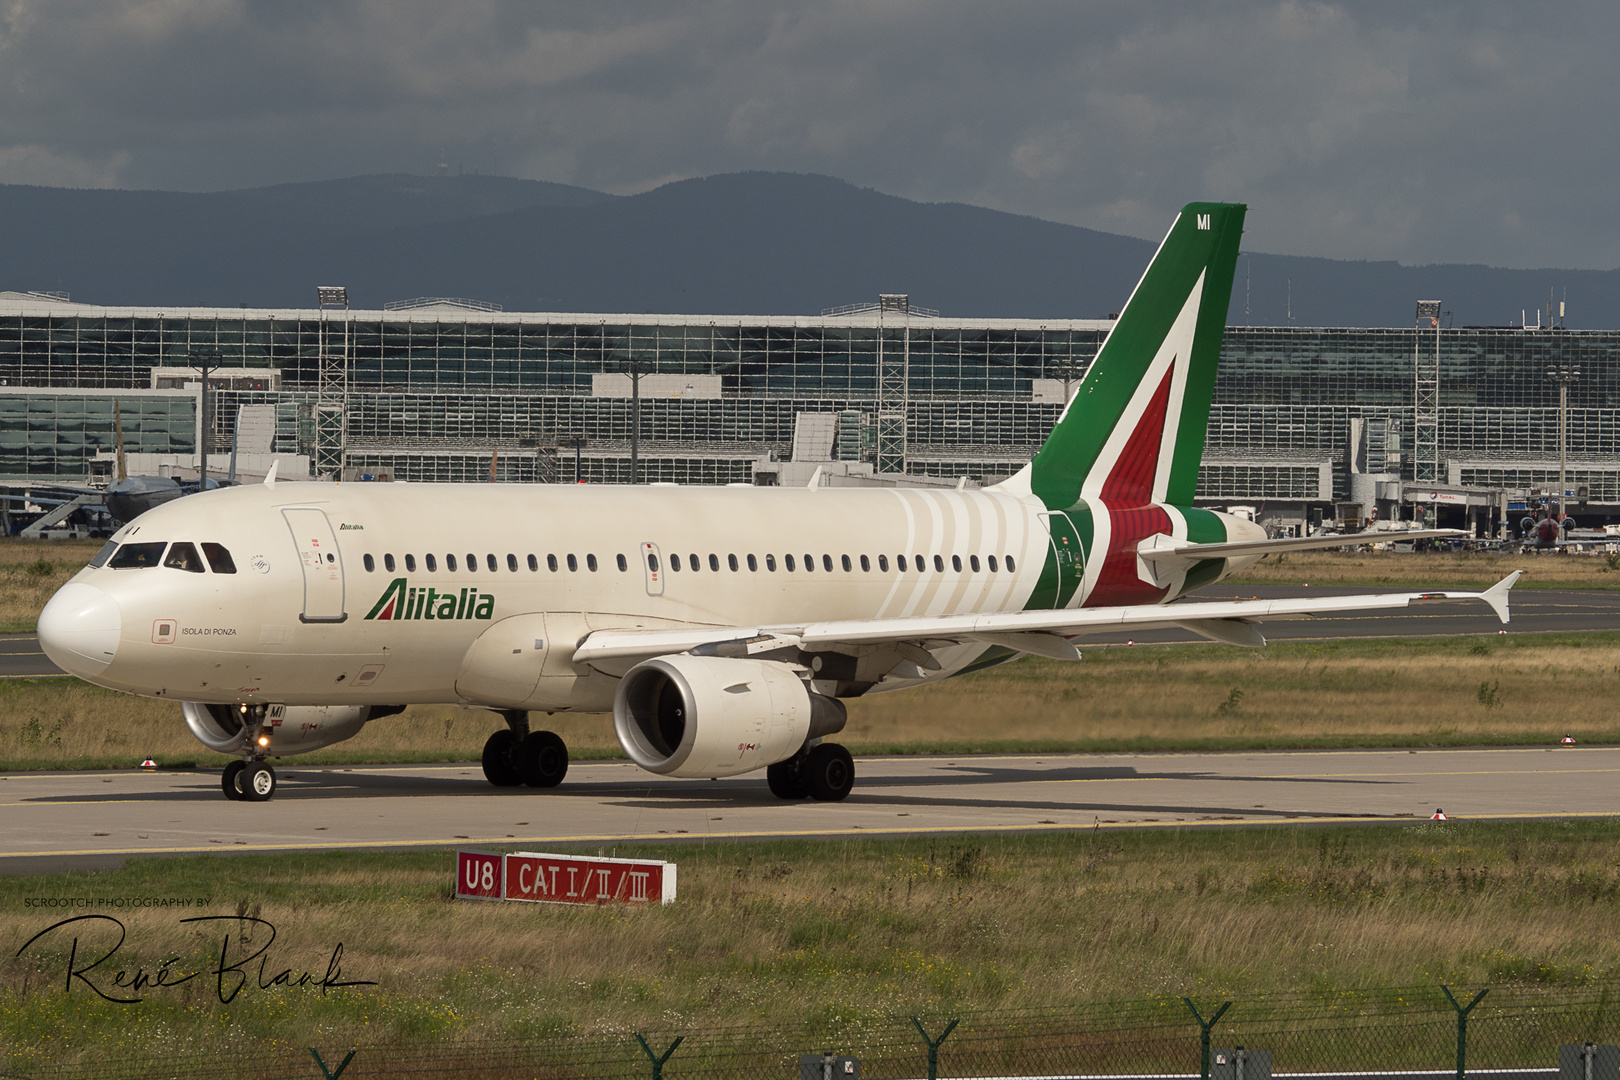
517	755
249	780
825	772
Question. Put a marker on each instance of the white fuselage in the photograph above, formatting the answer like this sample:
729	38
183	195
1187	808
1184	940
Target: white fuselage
307	617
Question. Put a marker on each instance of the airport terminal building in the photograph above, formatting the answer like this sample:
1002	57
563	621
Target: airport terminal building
1304	418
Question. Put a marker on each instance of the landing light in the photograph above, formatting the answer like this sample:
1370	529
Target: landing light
264	740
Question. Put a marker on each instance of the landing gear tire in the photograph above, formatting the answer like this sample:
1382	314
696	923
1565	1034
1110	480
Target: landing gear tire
258	782
500	768
232	781
541	759
829	772
786	778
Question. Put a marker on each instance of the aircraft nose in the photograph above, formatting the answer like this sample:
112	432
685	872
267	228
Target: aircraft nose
79	629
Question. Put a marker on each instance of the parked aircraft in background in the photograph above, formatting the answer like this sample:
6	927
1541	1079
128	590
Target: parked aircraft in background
722	626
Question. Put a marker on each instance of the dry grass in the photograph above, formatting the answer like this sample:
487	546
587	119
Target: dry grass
1461	569
808	932
1443	692
30	571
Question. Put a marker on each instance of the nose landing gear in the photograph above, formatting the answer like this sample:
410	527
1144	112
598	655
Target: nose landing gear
517	755
253	779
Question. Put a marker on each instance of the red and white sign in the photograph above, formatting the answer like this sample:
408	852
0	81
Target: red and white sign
535	878
570	879
480	875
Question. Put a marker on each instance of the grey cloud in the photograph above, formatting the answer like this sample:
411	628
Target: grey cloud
1443	132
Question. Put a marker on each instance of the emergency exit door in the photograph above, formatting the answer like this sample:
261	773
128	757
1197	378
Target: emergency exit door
321	562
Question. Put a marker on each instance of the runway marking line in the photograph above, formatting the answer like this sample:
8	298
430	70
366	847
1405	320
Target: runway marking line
593	838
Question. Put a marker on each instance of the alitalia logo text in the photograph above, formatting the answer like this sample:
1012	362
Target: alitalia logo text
403	600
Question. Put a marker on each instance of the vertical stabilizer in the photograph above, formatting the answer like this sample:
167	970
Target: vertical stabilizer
1133	433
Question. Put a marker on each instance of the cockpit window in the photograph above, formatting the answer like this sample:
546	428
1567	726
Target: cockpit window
183	556
136	556
219	560
105	553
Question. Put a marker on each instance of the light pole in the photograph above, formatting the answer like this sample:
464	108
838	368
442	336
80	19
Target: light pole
635	368
1563	375
205	362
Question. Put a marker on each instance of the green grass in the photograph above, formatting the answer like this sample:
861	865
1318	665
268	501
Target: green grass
818	932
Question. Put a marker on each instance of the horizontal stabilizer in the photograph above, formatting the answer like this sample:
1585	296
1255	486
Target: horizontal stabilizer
1162	548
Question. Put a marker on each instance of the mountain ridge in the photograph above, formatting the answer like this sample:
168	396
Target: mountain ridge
750	243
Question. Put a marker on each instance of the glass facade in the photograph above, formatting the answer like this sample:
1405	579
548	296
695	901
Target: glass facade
429	389
55	434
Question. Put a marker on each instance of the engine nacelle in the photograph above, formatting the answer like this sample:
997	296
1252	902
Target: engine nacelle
294	729
717	716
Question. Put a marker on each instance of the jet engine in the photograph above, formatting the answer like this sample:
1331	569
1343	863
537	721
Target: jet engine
294	729
717	716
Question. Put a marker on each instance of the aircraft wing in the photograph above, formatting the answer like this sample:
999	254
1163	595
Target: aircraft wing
1160	548
1045	633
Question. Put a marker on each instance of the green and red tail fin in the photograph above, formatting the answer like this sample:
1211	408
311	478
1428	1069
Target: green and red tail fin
1133	433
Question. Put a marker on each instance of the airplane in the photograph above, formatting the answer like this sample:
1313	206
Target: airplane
723	627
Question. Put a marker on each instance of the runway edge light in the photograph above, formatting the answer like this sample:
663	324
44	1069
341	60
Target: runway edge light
1439	815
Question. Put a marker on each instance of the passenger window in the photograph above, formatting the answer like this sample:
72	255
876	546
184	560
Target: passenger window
922	564
623	565
371	564
489	560
184	556
753	564
534	565
410	563
973	563
731	561
939	565
809	564
137	556
883	563
674	562
652	562
573	564
1010	565
714	562
511	562
432	563
991	559
900	561
770	563
590	563
220	561
551	563
845	559
450	563
956	563
866	564
105	553
388	563
787	561
472	564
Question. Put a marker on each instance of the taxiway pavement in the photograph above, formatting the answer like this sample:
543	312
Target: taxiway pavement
82	820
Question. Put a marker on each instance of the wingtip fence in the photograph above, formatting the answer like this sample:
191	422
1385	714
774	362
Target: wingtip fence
1427	1030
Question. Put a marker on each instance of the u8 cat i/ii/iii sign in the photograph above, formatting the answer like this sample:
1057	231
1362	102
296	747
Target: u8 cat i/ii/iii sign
533	877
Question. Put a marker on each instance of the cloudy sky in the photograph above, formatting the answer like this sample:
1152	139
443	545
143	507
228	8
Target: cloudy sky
1447	131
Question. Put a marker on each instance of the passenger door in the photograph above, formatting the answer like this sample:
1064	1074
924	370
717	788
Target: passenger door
322	564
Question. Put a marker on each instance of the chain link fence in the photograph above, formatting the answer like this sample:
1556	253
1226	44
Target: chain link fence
1436	1031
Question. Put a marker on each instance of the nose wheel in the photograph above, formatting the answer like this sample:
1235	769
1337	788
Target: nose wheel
249	781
